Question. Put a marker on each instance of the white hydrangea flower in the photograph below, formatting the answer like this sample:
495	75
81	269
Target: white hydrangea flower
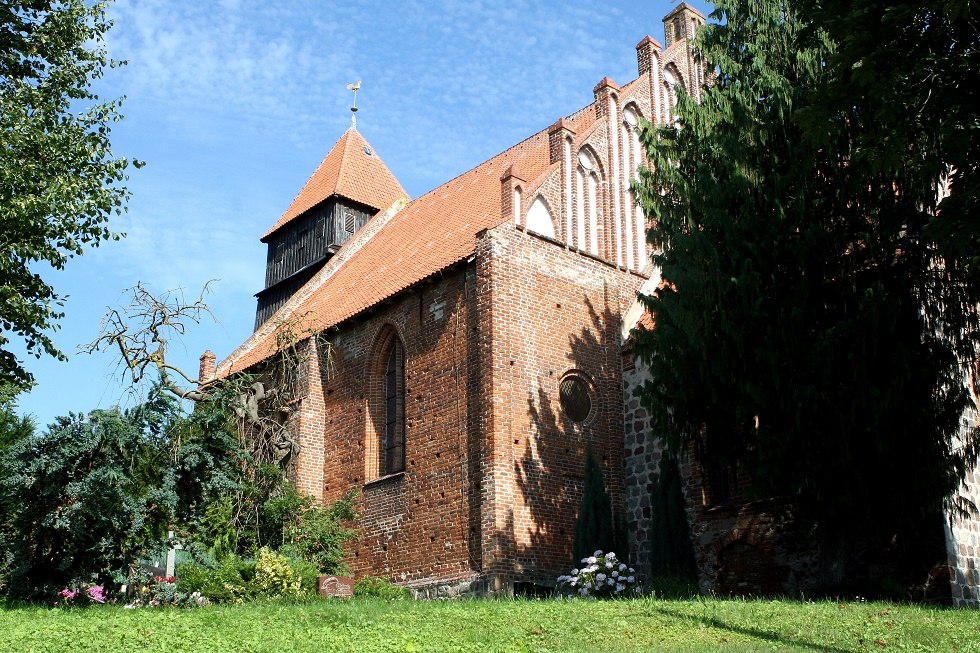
609	565
591	560
610	556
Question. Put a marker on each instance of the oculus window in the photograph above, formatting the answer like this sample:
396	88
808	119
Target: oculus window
576	397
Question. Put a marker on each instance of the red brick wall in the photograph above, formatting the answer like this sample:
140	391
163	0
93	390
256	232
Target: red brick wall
552	311
414	525
493	474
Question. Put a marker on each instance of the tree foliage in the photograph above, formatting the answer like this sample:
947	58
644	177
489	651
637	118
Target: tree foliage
914	62
89	498
671	549
807	328
596	528
60	181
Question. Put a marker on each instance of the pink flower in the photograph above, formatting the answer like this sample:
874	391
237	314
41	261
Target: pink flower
68	594
97	593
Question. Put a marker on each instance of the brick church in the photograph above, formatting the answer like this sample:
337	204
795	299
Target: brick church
479	343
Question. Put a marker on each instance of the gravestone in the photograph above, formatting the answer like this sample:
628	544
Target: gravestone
336	586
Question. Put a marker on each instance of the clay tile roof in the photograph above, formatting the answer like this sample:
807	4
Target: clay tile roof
432	233
353	170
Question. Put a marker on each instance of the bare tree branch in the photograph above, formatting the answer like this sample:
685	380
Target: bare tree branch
259	403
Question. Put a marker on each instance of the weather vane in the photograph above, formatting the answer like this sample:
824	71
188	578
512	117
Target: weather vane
353	110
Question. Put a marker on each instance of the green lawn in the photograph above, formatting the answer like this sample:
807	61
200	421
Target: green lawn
368	625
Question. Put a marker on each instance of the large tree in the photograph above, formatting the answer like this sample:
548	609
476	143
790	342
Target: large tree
87	500
808	332
915	62
59	180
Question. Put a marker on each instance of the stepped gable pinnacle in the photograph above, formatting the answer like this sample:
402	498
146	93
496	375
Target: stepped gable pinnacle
352	170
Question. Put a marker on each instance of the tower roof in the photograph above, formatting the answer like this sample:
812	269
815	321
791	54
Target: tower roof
351	170
682	7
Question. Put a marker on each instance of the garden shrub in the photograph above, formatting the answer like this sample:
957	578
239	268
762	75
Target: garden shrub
313	532
276	576
380	588
230	580
602	575
233	579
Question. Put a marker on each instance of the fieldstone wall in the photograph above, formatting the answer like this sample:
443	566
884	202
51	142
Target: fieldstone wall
963	542
641	460
470	586
740	547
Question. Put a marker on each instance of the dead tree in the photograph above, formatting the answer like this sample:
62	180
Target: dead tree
258	402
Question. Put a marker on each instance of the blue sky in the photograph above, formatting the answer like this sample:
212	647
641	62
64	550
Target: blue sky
232	105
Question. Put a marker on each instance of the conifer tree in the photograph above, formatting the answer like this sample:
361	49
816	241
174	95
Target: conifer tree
671	551
807	328
912	60
594	529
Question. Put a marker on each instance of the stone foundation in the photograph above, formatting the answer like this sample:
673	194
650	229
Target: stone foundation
458	588
963	549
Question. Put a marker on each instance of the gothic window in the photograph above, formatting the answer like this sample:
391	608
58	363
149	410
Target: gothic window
587	181
384	442
539	218
392	447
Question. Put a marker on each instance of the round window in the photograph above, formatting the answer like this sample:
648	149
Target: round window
575	397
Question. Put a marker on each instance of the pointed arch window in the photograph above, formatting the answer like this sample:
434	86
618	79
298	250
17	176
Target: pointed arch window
392	444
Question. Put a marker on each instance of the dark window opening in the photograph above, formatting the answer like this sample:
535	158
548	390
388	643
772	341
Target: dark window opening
575	398
719	479
393	444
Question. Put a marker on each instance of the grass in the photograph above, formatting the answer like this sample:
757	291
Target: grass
514	625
